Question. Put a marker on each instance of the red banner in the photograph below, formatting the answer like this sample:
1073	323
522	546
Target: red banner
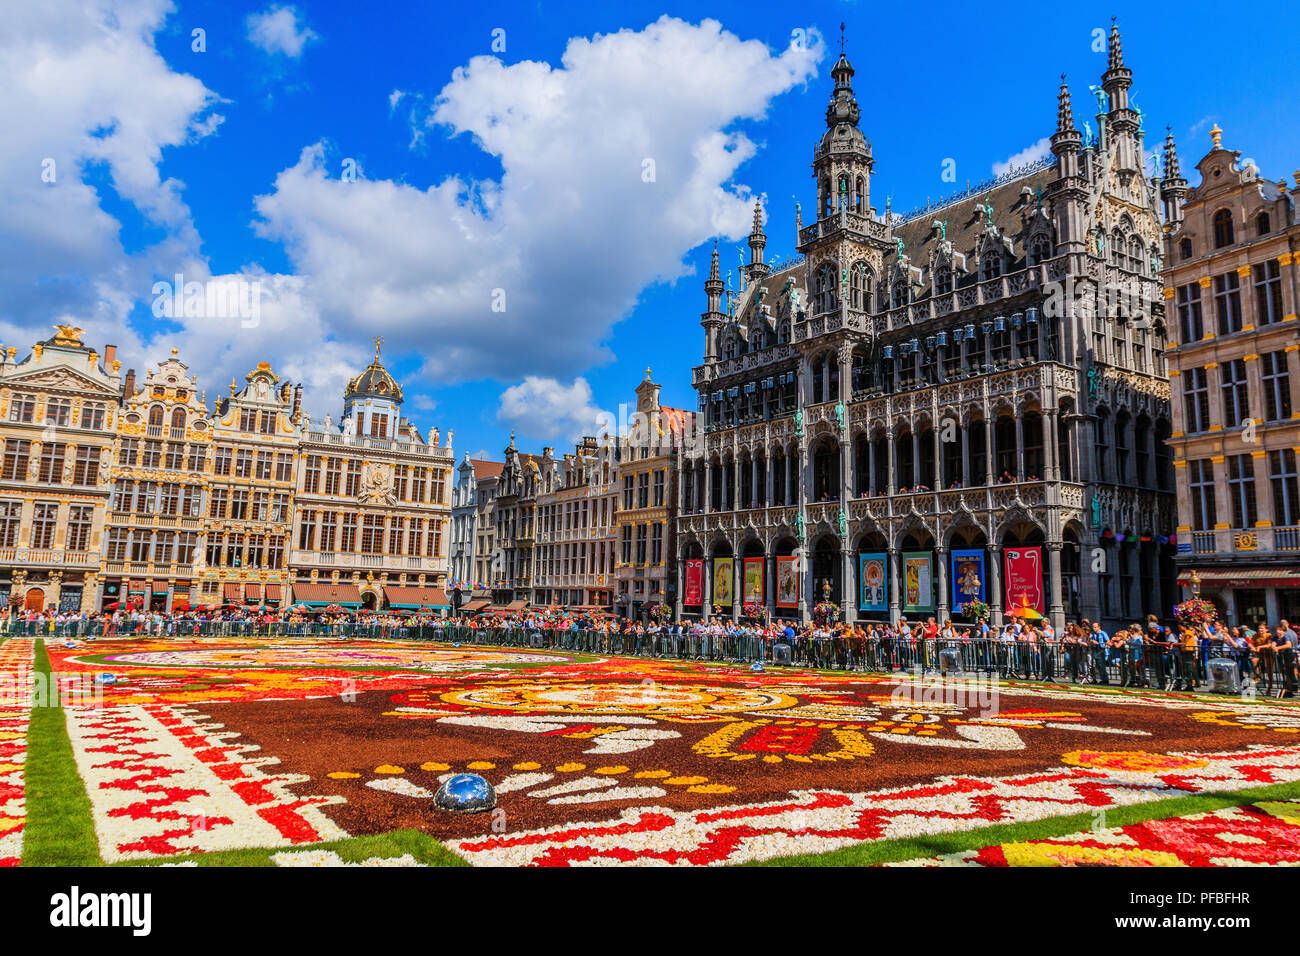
694	587
1024	585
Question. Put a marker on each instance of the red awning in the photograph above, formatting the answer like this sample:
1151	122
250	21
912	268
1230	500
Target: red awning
272	593
474	606
230	593
416	597
136	586
252	594
326	593
1284	577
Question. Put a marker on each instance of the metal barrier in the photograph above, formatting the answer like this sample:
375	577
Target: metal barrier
1165	667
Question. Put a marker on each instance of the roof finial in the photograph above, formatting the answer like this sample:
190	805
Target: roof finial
841	38
647	373
379	340
1216	134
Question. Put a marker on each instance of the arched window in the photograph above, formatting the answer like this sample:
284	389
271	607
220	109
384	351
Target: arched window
178	418
824	296
1222	228
156	415
990	266
1040	250
828	200
1117	249
1136	255
861	286
942	280
858	193
901	293
1262	224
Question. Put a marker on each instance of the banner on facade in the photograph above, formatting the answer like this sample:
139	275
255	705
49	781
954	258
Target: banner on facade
752	581
967	578
787	582
1024	579
693	589
723	569
874	577
918	582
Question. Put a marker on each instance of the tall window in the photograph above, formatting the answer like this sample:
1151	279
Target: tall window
1277	386
333	475
58	411
22	408
92	415
943	281
221	465
1200	474
1286	488
1191	326
1222	228
311	475
1232	386
397	535
283	466
353	486
1241	489
348	536
52	453
656	543
1196	400
372	534
244	463
18	453
45	516
307	531
1268	292
116	544
1227	302
328	530
11	514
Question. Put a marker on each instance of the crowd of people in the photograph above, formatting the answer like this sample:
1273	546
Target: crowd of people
1173	656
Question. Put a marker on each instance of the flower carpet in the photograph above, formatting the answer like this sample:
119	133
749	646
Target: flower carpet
300	749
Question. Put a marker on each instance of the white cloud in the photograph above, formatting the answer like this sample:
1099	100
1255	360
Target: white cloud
546	410
84	95
1040	150
278	30
571	233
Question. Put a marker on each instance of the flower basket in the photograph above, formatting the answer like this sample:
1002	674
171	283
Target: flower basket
826	612
976	610
755	611
1195	611
661	611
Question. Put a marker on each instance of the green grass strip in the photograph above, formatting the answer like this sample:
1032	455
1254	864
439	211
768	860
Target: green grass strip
424	848
875	852
60	828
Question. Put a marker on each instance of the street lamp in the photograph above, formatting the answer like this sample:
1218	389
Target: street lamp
1194	579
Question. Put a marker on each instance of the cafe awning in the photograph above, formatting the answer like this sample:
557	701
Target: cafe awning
136	586
272	593
345	595
473	607
1282	577
231	593
415	597
517	605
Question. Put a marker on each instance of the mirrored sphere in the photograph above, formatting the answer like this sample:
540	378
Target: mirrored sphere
465	793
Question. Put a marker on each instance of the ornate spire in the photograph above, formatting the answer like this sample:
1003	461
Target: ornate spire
1216	134
1064	111
713	264
1171	156
1115	51
758	218
844	106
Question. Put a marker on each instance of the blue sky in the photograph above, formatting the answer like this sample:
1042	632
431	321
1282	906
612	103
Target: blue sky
519	171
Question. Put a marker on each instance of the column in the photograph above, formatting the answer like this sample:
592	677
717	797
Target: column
770	478
871	467
916	457
737	596
681	583
848	586
1020	446
706	605
894	606
891	477
1055	597
988	448
995	587
1051	453
965	454
708	487
769	577
943	612
937	484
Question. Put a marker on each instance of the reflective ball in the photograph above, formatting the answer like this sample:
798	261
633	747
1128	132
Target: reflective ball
106	678
465	793
756	667
455	644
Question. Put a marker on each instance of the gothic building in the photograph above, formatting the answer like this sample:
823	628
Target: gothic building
919	403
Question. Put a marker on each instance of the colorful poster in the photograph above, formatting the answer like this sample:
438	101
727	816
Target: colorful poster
873	575
752	581
1024	579
967	578
918	584
723	568
787	582
693	590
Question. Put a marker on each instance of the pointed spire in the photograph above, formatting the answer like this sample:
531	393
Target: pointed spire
1115	52
1064	111
758	218
1171	156
713	265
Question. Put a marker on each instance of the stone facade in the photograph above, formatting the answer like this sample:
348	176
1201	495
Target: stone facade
58	414
984	374
1232	289
160	471
373	503
575	527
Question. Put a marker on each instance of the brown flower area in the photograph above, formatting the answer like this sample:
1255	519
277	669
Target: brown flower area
583	742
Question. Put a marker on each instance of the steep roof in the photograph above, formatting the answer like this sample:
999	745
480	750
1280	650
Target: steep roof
486	469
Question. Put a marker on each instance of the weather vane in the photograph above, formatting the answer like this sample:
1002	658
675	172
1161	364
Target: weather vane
841	38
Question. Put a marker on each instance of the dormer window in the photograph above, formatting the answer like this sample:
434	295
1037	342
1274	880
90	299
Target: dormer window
943	281
1262	224
1040	250
990	266
1222	229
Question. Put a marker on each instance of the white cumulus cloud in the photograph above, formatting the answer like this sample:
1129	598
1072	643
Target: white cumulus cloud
545	409
278	30
1040	150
